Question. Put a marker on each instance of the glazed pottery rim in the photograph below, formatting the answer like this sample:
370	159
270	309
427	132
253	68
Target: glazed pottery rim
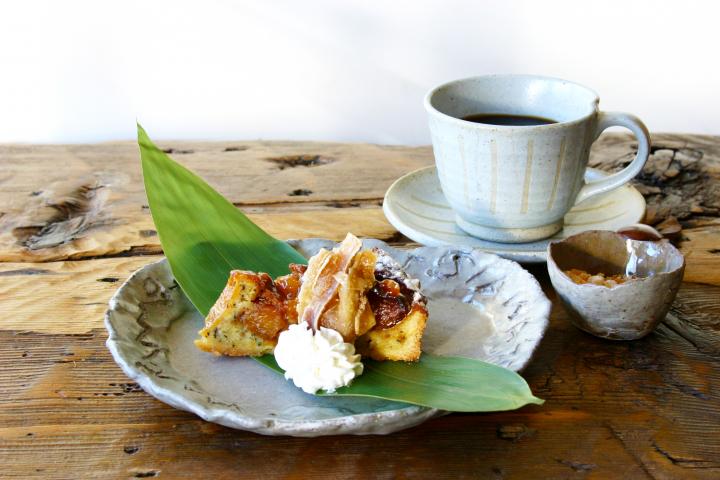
431	109
370	422
627	283
522	253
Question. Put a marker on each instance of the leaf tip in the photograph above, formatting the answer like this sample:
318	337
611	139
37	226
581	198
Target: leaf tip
146	144
142	135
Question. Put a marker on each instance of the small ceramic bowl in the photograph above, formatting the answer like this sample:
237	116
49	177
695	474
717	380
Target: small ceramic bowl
626	311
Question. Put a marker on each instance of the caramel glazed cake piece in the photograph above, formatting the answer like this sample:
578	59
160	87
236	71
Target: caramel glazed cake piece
250	313
247	317
400	312
363	295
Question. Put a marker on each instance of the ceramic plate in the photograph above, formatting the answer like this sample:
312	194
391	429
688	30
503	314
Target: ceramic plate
415	205
481	306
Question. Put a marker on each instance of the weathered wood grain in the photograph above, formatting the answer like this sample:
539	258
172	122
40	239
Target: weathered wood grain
645	409
94	205
137	235
61	297
680	179
681	184
88	200
74	224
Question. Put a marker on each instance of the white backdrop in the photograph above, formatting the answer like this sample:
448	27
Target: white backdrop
82	71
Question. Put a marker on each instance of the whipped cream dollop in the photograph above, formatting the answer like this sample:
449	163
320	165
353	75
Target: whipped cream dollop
318	360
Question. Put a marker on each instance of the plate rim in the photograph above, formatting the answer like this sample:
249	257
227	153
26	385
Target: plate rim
390	420
521	256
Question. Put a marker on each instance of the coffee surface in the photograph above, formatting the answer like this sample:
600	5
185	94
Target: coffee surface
506	119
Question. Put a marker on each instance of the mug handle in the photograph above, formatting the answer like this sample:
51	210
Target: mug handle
638	128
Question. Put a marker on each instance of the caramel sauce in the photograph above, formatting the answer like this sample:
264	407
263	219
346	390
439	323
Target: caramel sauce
288	287
390	302
267	317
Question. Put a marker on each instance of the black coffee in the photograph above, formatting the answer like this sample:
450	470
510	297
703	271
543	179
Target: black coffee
512	120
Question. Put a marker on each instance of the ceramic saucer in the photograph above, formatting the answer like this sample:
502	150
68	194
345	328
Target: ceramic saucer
415	205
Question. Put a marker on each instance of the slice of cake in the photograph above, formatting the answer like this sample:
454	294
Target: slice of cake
246	319
400	314
364	295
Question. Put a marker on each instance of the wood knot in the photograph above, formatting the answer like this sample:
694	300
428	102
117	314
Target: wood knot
305	160
178	151
130	387
147	474
108	279
65	216
515	432
666	164
300	192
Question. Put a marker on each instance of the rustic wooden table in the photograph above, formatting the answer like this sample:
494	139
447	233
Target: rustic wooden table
74	224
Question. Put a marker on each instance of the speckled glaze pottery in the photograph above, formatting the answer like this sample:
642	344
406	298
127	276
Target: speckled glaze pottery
516	183
416	206
480	306
627	311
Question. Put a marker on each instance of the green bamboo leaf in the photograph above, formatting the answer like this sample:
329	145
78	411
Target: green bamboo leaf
202	234
204	237
448	383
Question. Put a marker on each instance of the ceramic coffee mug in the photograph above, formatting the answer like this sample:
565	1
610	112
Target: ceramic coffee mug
516	183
